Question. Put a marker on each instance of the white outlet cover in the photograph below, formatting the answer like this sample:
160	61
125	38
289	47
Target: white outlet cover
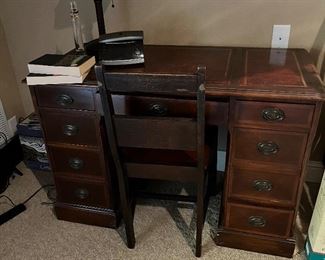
280	36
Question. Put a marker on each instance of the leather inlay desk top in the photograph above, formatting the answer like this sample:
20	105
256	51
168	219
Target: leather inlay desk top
242	72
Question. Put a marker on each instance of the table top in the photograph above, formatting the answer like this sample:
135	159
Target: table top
242	72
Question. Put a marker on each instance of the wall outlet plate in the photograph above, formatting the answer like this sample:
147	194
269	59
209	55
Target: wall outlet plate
280	36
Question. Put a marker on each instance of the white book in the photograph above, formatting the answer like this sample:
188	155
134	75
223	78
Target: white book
42	79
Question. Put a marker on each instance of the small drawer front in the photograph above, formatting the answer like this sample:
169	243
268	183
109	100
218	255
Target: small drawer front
269	146
269	188
259	220
73	128
216	111
76	161
274	115
80	192
65	97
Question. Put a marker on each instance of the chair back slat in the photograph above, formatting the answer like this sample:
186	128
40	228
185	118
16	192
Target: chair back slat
162	172
147	83
156	133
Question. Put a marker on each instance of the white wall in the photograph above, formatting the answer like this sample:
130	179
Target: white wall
9	93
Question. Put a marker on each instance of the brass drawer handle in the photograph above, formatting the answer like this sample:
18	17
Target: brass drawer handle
64	100
158	110
262	185
257	221
81	193
273	114
267	147
70	130
76	163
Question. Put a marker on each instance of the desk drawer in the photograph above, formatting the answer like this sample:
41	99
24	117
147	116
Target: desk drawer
81	192
73	127
274	115
76	161
259	220
216	111
286	148
266	187
65	97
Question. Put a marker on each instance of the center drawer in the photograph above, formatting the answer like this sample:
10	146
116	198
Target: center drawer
259	220
216	111
72	127
264	146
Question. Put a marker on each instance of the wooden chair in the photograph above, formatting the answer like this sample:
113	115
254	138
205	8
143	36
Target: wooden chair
156	133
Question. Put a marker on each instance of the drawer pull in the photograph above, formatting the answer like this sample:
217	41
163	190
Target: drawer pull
76	163
273	114
158	110
64	100
267	147
257	221
70	130
262	185
81	193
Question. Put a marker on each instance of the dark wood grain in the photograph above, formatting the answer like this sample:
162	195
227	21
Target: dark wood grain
216	111
81	192
162	172
240	83
256	243
49	96
87	215
297	117
291	148
156	133
76	161
282	189
84	126
277	222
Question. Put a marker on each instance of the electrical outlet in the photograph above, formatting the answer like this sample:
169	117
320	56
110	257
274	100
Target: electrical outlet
280	36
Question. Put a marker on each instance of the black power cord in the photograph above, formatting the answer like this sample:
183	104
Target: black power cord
17	209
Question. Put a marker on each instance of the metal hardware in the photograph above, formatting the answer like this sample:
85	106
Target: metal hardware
273	114
81	193
257	221
76	163
267	147
70	130
262	185
64	100
158	110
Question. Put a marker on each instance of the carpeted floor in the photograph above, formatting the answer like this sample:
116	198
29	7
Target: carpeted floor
164	230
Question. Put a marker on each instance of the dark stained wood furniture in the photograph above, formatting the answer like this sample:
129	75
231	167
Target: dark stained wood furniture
157	133
270	100
74	135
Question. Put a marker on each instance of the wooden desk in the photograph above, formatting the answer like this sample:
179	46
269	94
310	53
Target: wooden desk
270	100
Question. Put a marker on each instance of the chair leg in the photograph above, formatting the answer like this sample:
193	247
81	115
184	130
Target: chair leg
126	211
199	216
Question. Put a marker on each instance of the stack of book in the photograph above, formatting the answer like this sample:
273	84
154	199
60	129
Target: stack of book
59	69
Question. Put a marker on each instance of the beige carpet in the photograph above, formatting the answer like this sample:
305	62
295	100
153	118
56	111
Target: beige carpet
163	231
